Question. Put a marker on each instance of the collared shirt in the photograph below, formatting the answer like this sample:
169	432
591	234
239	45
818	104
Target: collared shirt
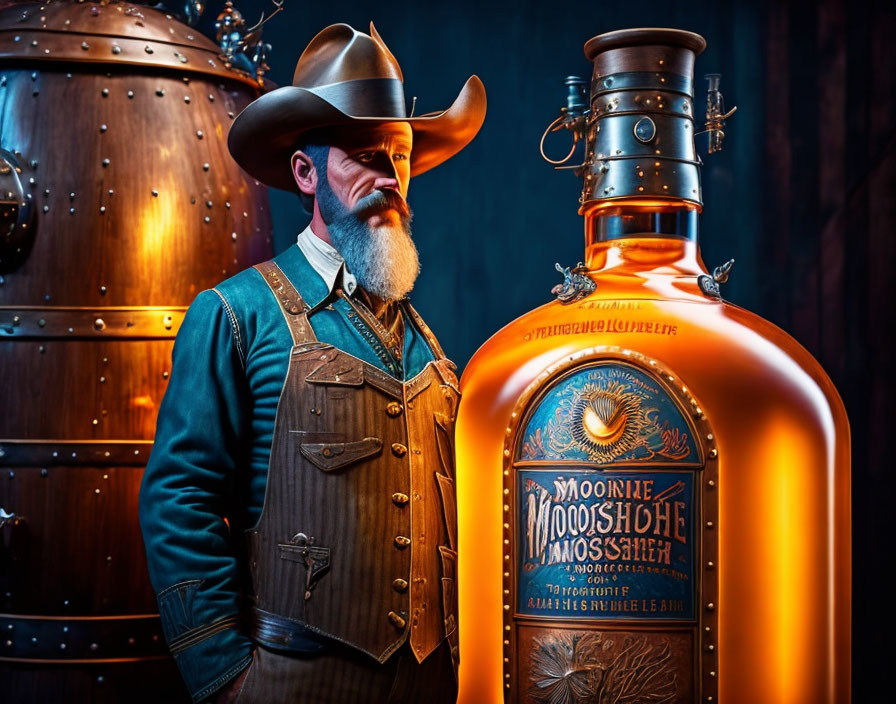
325	259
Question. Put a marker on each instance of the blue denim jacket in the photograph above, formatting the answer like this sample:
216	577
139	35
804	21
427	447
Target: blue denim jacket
211	453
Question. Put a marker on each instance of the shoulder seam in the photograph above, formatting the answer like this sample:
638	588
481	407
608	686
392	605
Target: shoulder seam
235	325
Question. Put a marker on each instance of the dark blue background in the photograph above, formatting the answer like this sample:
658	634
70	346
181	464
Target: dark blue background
802	195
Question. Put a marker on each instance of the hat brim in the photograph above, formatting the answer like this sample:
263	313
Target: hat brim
264	135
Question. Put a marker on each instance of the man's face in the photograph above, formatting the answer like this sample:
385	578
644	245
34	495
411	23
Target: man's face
360	197
363	160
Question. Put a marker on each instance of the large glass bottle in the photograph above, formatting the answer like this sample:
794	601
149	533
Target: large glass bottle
654	498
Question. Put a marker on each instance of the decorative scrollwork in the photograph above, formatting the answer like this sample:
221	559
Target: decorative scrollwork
606	415
575	285
580	668
710	284
606	421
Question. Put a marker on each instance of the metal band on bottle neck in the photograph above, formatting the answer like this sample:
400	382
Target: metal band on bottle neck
640	134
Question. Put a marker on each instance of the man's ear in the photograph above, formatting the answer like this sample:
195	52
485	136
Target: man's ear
304	172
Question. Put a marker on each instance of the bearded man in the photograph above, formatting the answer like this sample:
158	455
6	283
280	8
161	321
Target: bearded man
298	508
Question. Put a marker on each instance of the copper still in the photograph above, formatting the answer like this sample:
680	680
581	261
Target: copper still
119	202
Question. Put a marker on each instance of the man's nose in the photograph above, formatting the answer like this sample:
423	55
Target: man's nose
387	182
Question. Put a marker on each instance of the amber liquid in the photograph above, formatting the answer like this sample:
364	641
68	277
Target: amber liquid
784	566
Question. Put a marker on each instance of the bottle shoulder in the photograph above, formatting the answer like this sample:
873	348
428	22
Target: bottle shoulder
796	354
726	354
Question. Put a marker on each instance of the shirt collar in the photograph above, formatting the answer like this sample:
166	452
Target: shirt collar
326	260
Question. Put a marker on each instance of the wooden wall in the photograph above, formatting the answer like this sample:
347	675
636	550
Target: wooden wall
828	222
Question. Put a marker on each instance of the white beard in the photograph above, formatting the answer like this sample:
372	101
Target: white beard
383	259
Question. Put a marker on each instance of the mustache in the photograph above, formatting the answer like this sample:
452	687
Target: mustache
381	200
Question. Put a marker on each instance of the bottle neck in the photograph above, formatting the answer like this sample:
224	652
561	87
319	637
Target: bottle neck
642	234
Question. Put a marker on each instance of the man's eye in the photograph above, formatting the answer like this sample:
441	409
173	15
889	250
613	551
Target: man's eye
400	156
364	157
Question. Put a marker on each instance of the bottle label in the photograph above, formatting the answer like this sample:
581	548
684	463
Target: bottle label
605	544
610	491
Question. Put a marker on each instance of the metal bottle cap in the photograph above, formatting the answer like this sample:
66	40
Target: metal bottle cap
640	133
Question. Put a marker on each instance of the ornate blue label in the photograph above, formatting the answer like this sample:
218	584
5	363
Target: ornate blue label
610	486
597	545
609	413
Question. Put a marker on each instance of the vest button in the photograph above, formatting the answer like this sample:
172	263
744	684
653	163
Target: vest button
399	450
398	620
402	541
400	499
393	408
400	585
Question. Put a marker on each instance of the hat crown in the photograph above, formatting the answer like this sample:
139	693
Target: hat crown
346	77
341	53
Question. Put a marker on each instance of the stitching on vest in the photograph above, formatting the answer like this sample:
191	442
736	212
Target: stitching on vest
234	323
264	270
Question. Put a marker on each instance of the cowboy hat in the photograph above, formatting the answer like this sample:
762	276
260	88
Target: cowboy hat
345	76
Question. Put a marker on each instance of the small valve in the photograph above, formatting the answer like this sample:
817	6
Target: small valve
572	117
715	113
576	96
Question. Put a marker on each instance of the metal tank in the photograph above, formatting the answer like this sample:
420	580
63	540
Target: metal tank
119	202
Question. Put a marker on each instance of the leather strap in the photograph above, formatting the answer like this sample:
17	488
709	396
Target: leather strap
291	304
279	633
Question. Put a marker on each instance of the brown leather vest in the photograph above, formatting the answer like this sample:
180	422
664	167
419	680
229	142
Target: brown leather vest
357	537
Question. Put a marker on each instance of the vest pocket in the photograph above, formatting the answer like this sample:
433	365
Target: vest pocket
330	456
